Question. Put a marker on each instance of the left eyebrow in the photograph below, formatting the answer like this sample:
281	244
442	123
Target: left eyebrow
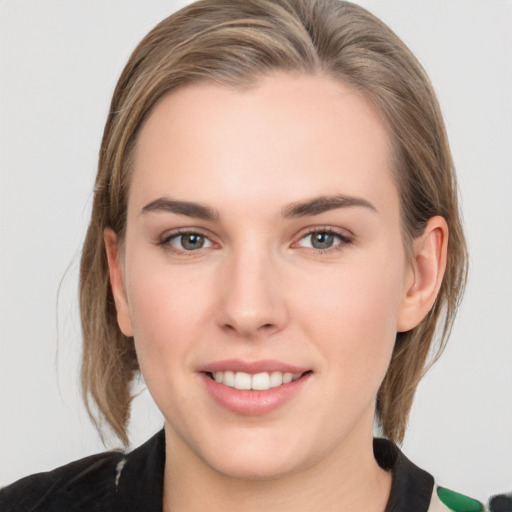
323	204
187	208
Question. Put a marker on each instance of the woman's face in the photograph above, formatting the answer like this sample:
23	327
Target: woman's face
263	244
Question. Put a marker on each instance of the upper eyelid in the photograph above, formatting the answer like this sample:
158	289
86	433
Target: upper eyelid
172	233
342	232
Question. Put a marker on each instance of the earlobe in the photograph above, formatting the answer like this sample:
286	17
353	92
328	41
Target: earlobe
117	282
425	274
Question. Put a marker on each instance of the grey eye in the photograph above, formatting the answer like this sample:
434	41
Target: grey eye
322	240
190	241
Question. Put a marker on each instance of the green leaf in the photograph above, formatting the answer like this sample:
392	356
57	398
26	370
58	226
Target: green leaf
458	502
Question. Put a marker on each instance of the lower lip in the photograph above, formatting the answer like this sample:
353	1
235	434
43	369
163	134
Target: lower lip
251	402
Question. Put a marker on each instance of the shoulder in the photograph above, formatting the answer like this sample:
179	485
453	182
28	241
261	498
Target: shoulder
75	486
110	481
414	489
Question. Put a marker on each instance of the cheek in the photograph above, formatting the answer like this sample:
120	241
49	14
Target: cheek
353	317
168	308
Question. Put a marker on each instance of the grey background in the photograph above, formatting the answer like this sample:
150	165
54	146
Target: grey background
59	60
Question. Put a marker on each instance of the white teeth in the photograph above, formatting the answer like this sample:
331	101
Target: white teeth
259	381
276	379
228	379
242	380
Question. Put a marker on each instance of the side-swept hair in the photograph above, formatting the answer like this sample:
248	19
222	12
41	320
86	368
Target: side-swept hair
235	42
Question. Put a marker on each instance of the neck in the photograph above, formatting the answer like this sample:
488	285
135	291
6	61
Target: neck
346	480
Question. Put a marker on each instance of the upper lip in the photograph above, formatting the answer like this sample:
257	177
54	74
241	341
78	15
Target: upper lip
263	365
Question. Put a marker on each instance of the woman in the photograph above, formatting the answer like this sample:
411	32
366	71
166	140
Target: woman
274	239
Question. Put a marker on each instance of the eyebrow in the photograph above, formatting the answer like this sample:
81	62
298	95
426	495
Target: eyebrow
306	208
323	204
187	208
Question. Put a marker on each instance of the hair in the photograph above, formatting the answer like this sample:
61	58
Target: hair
235	43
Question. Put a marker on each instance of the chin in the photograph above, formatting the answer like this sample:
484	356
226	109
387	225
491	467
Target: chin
258	458
256	469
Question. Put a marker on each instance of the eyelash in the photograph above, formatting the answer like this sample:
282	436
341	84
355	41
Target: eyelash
166	245
343	240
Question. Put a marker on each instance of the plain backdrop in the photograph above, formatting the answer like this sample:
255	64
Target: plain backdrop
59	62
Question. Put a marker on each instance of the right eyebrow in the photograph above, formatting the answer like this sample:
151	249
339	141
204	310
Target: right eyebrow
322	204
187	208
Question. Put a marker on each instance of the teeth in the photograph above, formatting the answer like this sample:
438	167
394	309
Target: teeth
276	379
228	379
259	381
242	380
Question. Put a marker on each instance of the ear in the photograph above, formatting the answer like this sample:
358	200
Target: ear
117	282
425	274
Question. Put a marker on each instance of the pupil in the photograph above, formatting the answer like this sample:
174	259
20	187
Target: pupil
191	242
322	240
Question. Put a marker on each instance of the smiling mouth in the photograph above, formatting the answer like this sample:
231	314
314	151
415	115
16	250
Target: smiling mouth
257	381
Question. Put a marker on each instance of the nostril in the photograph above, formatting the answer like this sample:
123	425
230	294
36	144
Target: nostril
249	330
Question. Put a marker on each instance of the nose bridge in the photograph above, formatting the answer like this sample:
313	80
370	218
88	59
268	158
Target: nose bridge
251	300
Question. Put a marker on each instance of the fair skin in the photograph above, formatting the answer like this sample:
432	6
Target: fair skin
260	275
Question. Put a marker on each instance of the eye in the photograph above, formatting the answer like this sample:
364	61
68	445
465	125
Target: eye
188	242
323	240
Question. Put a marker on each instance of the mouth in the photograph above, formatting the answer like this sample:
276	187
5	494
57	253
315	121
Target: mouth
253	388
261	381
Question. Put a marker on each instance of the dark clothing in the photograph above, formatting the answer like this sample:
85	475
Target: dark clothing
117	482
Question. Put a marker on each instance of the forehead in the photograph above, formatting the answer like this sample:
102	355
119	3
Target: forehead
283	139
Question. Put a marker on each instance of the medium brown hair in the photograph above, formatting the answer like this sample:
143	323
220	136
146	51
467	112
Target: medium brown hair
234	43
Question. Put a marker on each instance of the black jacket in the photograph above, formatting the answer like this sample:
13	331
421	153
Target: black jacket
117	482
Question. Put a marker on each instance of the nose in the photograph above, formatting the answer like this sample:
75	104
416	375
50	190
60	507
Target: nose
252	294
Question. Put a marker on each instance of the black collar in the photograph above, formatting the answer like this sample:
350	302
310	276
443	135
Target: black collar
411	488
140	484
116	482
